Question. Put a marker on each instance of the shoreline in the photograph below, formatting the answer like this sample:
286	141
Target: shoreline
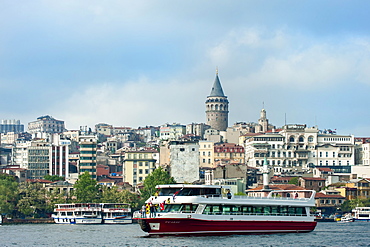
27	221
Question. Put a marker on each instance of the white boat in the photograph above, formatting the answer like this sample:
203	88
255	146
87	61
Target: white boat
78	213
116	213
346	218
361	214
210	210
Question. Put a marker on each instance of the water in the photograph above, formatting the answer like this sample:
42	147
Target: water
325	234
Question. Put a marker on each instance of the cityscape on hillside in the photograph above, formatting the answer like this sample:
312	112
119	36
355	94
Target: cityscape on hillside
201	153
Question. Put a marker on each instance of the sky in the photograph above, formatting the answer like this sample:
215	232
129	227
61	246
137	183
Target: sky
149	62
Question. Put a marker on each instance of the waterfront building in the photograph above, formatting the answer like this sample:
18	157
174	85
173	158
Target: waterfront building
184	161
14	126
138	165
328	201
217	107
88	154
45	125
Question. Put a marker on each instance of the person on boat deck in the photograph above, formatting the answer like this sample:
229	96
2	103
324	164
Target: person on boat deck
143	213
152	211
228	194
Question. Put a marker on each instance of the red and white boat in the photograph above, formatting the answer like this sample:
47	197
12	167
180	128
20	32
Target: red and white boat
211	210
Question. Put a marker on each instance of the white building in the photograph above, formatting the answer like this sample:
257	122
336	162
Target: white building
296	148
172	131
45	125
184	161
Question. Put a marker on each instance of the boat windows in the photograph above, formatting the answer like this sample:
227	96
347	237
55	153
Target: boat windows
183	208
190	191
70	213
254	210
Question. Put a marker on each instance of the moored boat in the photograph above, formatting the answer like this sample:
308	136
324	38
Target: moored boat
213	210
361	214
78	213
116	213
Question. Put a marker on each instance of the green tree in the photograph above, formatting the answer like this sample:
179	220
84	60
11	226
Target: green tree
53	178
8	194
293	181
32	200
86	189
158	176
115	195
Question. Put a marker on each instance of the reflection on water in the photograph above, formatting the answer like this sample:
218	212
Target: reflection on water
325	234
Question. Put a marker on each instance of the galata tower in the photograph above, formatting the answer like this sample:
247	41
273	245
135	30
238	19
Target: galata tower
217	107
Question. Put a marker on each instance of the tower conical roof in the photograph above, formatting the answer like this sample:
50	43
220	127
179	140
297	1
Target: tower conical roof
217	88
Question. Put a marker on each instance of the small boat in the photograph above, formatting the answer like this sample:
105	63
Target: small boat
361	214
346	218
213	210
116	213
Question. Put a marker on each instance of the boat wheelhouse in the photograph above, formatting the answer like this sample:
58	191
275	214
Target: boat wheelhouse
213	210
78	213
116	213
361	214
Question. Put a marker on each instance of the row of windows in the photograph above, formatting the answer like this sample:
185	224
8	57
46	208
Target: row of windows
135	156
38	152
238	210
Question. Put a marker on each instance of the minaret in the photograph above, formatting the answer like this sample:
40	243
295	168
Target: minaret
265	172
217	107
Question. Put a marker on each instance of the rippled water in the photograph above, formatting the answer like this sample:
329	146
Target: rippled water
325	234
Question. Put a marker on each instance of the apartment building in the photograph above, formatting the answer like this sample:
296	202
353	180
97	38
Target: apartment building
297	148
88	154
138	165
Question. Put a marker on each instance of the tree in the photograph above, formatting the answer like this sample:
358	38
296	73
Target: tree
86	189
8	194
293	181
158	176
32	200
53	178
114	195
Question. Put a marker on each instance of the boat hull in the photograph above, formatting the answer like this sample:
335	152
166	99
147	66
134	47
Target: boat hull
118	221
73	220
171	226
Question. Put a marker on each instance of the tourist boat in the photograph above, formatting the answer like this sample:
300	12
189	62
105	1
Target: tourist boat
361	214
78	213
116	213
210	210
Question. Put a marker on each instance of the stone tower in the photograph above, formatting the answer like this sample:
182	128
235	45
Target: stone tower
263	121
217	107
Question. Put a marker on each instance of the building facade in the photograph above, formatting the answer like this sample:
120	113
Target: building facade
45	125
14	126
297	148
88	154
184	161
138	165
